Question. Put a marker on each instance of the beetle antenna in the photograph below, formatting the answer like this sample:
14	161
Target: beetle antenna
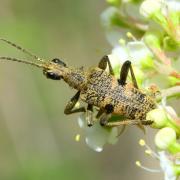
21	49
22	61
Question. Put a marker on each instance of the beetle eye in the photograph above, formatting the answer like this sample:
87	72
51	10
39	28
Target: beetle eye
53	76
58	61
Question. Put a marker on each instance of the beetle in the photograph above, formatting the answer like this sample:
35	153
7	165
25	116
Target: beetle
98	88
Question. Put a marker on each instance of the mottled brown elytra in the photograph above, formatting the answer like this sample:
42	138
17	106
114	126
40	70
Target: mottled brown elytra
98	88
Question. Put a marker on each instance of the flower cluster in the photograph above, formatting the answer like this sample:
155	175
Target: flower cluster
148	34
168	162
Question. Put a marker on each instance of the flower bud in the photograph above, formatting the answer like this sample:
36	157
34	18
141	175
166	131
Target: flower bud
165	139
163	119
159	117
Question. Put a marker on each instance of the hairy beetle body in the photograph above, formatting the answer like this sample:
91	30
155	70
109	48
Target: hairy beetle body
97	87
101	89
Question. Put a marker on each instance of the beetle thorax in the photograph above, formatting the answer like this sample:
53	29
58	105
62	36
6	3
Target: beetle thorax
75	78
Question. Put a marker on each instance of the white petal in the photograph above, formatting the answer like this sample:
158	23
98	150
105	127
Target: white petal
119	55
81	121
96	137
138	51
166	166
132	9
107	15
173	5
113	35
148	7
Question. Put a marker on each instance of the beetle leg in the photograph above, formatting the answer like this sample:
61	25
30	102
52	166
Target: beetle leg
104	119
100	112
124	73
129	122
103	64
71	104
123	127
89	115
109	108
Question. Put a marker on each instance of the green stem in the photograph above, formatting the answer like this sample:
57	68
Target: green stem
173	91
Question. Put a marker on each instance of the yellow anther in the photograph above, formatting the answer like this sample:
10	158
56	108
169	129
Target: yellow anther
129	35
138	163
122	41
142	142
149	152
77	137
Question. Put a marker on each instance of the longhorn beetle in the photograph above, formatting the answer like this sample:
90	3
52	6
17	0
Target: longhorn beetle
98	88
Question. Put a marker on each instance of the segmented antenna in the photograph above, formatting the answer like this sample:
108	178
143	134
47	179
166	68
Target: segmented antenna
21	49
22	61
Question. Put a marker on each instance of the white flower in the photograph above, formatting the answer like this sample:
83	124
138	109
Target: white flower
138	51
107	16
173	5
119	55
165	161
166	166
96	135
113	32
135	51
148	7
113	35
132	9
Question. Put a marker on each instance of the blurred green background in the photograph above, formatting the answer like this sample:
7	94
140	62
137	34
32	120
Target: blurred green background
37	141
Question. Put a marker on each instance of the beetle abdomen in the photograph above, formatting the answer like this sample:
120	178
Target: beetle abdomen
131	102
103	88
